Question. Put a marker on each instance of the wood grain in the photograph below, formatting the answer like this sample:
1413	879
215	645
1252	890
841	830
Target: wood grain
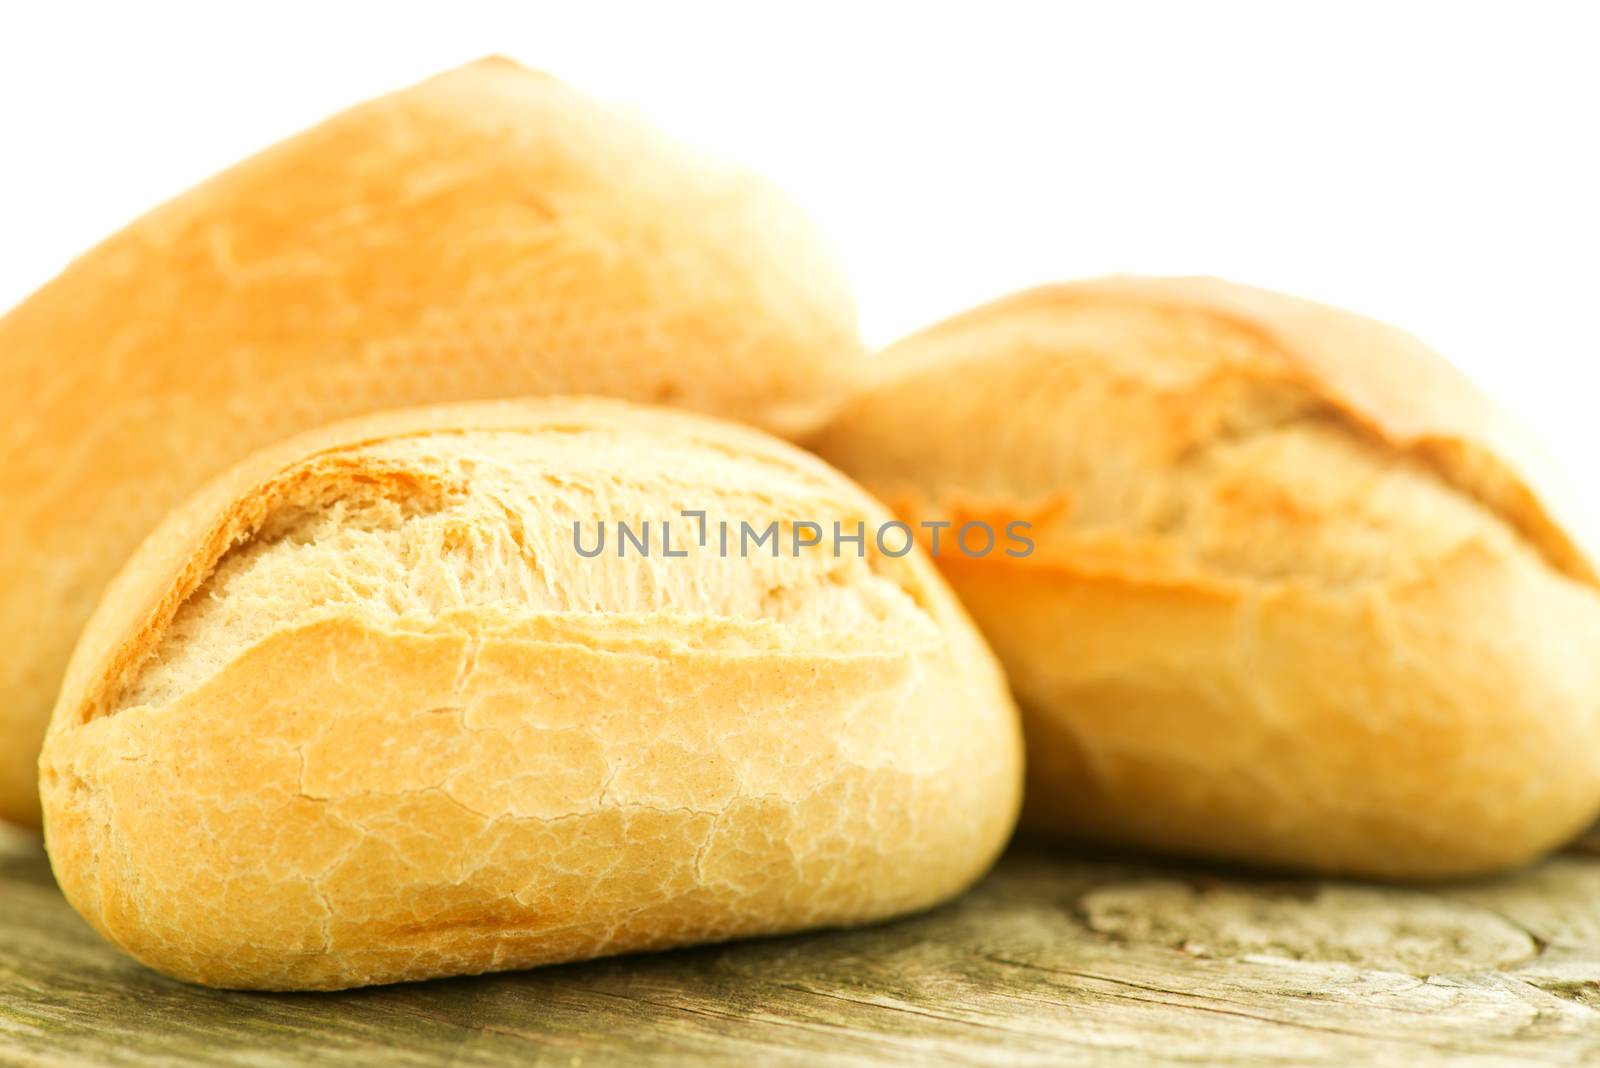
1054	959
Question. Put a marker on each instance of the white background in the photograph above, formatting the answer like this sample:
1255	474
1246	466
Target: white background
1436	165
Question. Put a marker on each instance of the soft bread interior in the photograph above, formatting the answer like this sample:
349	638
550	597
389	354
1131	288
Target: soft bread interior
497	541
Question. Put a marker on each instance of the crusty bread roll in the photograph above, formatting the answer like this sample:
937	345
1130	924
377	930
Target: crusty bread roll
361	712
1299	595
487	233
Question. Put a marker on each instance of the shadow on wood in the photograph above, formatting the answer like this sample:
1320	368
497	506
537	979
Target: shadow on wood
1053	959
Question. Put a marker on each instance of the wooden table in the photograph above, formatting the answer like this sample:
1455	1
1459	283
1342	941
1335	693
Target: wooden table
1054	959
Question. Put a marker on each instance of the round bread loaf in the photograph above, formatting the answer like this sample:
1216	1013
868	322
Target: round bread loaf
488	233
1298	594
366	709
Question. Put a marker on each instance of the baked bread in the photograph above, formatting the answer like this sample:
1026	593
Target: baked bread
1299	595
487	233
361	711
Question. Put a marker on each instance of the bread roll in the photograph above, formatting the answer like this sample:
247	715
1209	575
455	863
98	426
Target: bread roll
487	233
360	712
1299	595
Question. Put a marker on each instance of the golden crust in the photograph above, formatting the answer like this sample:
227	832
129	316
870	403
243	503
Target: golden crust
1381	378
359	798
487	233
1300	595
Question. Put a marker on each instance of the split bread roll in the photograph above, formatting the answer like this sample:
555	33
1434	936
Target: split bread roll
1299	594
488	233
360	712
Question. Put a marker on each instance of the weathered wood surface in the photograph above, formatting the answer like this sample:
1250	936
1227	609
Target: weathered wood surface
1051	960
